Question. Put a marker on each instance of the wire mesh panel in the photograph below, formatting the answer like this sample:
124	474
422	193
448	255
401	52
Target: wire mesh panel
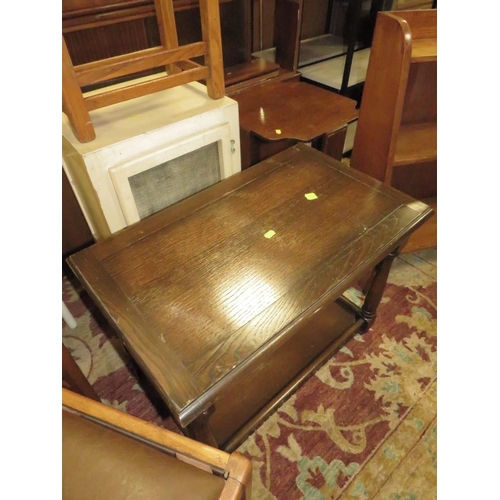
176	179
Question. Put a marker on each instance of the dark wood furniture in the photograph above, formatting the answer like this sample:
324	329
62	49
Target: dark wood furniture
230	299
276	115
74	378
107	453
75	230
396	136
177	60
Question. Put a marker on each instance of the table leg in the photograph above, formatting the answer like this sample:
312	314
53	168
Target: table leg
376	290
261	150
332	143
199	430
74	377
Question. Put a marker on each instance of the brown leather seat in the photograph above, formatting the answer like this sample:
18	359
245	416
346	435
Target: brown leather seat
103	461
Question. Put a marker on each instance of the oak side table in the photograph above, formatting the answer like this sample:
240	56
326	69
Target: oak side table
275	115
231	298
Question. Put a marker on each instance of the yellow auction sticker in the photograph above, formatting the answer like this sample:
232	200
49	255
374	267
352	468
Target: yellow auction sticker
311	196
270	234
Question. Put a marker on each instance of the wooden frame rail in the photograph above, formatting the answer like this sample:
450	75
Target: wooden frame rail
176	60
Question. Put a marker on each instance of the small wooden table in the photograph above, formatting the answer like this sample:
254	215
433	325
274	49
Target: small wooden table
277	114
230	299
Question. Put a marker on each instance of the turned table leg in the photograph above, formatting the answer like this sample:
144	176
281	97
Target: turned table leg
376	290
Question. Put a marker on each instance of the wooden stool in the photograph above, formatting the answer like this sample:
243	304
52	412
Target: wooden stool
177	61
276	115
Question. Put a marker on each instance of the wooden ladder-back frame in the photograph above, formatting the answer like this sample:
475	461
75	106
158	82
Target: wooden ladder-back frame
176	60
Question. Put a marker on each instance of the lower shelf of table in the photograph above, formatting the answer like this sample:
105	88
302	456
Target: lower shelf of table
278	371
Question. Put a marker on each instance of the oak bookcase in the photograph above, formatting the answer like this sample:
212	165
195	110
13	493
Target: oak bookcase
396	136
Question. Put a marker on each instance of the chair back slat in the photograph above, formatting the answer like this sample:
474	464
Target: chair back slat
139	89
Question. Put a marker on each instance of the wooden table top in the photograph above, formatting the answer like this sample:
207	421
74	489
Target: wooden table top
292	110
199	288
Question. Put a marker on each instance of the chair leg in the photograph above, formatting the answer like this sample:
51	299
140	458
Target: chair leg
210	28
74	377
167	28
73	101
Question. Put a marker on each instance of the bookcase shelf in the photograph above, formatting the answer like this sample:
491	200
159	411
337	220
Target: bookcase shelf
416	143
424	50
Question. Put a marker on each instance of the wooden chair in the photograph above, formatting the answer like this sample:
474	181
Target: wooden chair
176	60
107	453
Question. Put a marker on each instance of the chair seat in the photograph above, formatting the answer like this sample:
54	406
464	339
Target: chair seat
103	463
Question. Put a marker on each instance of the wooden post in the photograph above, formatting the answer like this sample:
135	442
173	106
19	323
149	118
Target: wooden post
376	290
74	377
210	28
168	29
73	101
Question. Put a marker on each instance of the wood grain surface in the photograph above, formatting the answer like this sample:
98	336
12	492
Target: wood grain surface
292	110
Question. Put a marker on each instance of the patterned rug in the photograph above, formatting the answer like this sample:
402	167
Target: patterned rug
363	427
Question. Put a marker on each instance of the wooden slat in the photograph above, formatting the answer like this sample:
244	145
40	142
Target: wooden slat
185	65
127	64
144	88
106	18
97	8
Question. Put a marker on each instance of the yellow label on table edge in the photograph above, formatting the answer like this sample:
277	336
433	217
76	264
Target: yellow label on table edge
270	234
